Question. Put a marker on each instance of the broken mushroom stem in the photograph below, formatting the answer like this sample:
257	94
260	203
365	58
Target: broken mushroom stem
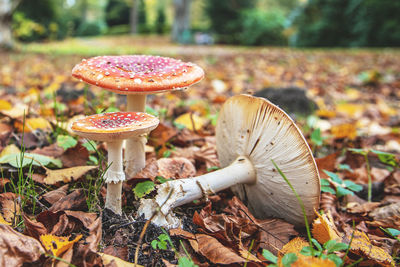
175	193
114	176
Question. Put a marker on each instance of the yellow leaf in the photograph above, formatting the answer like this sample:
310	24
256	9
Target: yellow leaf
351	110
33	124
294	246
57	244
346	130
309	261
2	221
5	105
10	149
191	121
16	111
324	113
107	259
324	229
66	175
362	246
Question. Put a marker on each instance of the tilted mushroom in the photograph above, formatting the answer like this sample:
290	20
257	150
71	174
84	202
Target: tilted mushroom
137	76
250	132
113	128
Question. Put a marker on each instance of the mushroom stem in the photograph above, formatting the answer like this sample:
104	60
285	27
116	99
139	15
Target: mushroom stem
114	176
182	191
135	156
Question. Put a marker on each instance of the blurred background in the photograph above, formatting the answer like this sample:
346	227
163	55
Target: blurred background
295	23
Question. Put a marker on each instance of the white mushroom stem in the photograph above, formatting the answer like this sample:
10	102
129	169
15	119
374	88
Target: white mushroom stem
114	176
182	191
135	156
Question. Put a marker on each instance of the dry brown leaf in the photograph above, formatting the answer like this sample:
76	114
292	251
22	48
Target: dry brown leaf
75	156
326	163
324	229
16	248
73	201
386	216
117	251
66	175
10	206
107	259
354	207
175	168
161	135
85	218
214	251
55	195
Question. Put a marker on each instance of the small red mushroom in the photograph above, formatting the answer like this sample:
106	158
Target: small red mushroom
136	76
113	128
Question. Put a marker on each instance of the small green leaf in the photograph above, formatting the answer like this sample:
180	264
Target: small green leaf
269	256
325	182
329	244
345	167
163	237
186	262
90	145
393	232
213	168
288	259
143	188
359	151
316	244
154	243
328	189
66	141
333	176
166	154
162	245
162	179
339	247
336	259
352	186
306	251
151	111
386	158
93	159
316	137
340	191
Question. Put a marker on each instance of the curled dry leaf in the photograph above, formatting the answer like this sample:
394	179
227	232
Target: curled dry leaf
73	201
66	175
175	168
16	248
328	204
386	216
55	195
117	262
294	246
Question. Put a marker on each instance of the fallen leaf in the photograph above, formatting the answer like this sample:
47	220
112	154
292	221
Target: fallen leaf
14	160
75	156
33	124
191	121
5	105
54	195
214	251
66	175
2	221
10	206
16	248
107	259
57	244
175	168
73	201
324	229
347	130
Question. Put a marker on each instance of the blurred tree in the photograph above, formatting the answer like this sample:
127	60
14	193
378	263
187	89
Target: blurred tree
133	16
225	18
160	18
142	17
117	12
7	8
181	25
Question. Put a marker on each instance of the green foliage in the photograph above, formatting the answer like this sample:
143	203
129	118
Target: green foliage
386	158
327	251
92	28
288	259
160	26
262	27
343	187
66	141
22	160
186	262
347	23
117	12
27	30
143	188
225	18
394	233
316	137
160	242
269	256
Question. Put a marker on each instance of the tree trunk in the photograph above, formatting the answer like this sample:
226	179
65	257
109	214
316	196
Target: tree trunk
181	26
6	9
133	16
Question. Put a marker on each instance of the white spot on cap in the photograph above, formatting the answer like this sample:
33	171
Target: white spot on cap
100	76
137	80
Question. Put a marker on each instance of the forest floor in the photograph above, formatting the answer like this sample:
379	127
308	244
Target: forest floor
346	103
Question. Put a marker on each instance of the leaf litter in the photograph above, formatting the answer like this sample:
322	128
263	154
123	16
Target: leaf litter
60	196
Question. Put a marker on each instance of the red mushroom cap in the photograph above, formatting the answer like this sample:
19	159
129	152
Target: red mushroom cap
114	125
138	74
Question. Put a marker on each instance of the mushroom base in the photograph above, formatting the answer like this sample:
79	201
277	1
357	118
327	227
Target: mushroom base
179	192
113	198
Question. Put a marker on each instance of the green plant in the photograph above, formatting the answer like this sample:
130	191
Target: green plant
143	188
343	187
364	153
327	251
394	233
66	141
160	242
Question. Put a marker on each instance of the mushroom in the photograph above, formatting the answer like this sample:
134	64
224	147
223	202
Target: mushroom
137	76
251	132
113	128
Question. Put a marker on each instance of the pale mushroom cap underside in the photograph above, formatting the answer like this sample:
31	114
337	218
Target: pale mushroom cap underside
256	128
138	74
114	126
